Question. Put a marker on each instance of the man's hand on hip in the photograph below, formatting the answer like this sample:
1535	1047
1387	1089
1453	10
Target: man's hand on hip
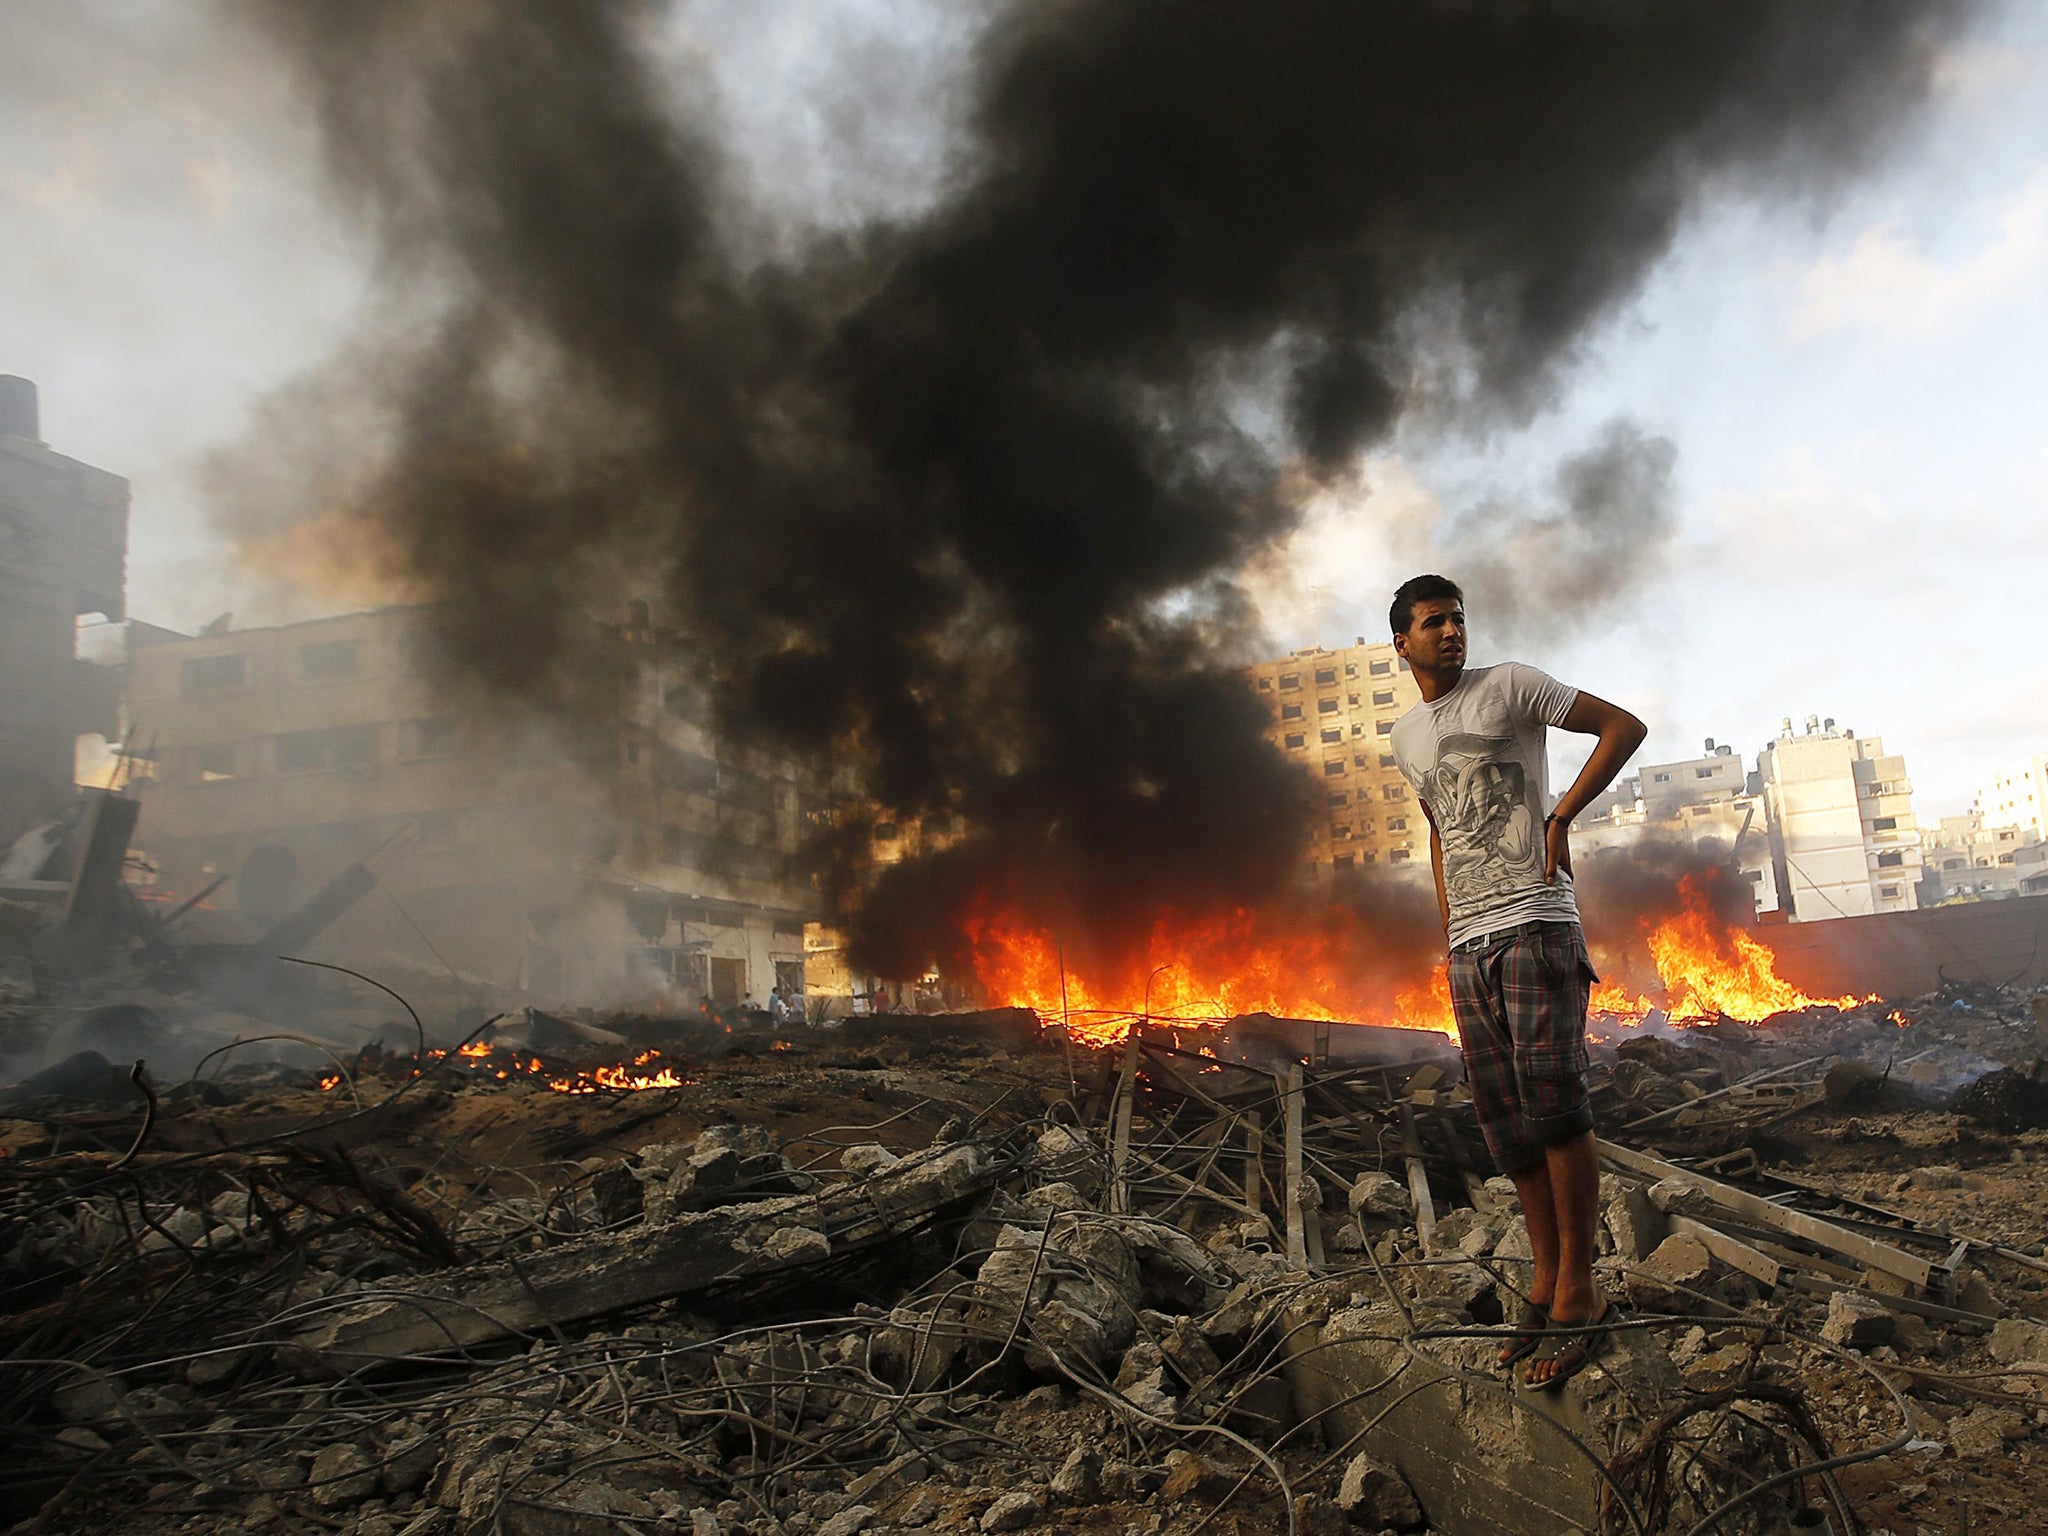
1557	849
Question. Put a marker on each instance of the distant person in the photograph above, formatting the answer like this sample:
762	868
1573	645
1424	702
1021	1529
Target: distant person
778	1007
878	1000
1476	752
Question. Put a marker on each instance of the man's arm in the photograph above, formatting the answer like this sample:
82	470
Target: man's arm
1436	864
1620	734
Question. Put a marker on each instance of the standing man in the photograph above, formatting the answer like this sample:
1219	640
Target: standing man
1474	751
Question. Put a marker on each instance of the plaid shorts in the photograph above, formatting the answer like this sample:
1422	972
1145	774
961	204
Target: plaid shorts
1520	998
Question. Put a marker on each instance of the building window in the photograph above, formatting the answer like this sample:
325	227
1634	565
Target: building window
1338	797
1891	860
1387	760
433	737
1297	739
1333	767
1351	669
1326	706
1398	856
1290	711
1384	697
1361	759
1397	824
1358	730
213	674
1383	727
1952	864
1265	685
1326	676
1884	824
1334	734
1703	773
212	764
1381	668
1291	680
1368	857
338	746
1661	778
1341	831
1888	893
1393	792
1342	861
330	658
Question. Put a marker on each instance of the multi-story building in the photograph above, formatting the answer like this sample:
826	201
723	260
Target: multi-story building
1844	839
2017	797
1708	802
1332	711
63	553
1963	859
638	853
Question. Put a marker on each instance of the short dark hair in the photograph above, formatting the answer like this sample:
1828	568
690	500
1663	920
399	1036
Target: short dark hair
1420	589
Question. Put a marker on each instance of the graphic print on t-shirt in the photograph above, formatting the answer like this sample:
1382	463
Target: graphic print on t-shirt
1476	757
1485	791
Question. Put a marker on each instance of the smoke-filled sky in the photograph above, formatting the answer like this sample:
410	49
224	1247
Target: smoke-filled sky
1758	435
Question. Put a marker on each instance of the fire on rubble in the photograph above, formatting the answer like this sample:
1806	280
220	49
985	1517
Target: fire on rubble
1203	971
646	1070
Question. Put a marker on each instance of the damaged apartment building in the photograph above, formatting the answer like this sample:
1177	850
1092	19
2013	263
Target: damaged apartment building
63	554
1332	712
645	858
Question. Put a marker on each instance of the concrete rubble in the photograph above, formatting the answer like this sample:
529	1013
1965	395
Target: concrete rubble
961	1278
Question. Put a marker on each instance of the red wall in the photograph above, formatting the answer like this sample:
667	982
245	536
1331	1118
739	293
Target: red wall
1903	954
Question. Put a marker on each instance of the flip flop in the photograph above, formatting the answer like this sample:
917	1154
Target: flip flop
1527	1337
1572	1352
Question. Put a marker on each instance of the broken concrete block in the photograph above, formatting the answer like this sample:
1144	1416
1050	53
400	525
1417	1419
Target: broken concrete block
1063	1155
1938	1176
1484	1462
2017	1341
1079	1478
341	1474
797	1245
1012	1512
1636	1224
1513	1243
850	1521
1188	1352
866	1158
1984	1430
1051	1198
611	1271
1377	1499
1189	1476
408	1464
899	1473
1681	1197
1856	1322
1677	1266
1379	1197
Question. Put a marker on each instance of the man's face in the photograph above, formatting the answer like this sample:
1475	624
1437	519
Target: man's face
1435	637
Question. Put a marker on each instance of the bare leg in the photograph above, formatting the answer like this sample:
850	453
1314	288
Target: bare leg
1572	1172
1539	1210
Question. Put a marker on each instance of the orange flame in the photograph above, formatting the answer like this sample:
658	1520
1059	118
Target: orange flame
1709	970
1198	970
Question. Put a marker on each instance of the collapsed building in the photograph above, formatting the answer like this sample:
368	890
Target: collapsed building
642	855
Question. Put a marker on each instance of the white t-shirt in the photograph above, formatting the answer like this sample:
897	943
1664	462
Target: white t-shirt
1477	758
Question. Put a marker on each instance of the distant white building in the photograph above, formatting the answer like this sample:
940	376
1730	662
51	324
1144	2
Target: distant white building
1844	839
2017	797
1708	802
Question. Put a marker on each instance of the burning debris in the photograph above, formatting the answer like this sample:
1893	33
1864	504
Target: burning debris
951	1273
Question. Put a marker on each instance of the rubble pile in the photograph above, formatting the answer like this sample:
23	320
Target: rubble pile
951	1275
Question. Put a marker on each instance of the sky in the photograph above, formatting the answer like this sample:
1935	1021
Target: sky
1856	391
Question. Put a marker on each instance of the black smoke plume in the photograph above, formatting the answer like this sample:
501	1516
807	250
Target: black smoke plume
954	500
